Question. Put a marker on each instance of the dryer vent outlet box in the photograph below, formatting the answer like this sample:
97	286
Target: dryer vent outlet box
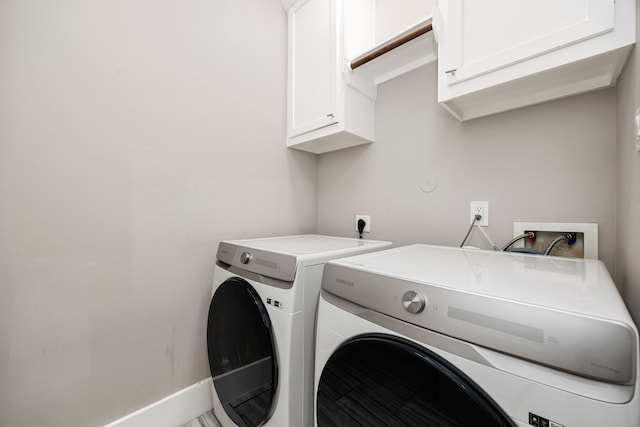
585	246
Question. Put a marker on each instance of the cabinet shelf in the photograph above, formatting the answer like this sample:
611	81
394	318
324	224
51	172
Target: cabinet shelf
410	49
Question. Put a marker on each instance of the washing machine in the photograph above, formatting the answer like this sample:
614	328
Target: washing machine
260	333
424	335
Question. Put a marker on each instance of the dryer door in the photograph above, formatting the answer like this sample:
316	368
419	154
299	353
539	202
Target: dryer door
382	380
242	353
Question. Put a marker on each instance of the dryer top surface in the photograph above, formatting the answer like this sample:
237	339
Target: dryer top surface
309	244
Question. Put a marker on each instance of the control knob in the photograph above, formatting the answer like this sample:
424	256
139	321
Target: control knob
413	302
245	257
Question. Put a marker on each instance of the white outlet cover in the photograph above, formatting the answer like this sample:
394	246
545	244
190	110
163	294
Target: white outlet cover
484	221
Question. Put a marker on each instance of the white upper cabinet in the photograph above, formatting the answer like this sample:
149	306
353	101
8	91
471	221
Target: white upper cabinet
496	55
480	41
328	108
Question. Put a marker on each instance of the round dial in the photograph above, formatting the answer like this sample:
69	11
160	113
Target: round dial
413	302
245	257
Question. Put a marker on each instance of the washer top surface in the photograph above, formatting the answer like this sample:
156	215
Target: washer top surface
559	312
279	257
567	284
308	244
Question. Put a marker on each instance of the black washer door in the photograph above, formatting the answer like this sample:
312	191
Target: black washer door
242	353
382	380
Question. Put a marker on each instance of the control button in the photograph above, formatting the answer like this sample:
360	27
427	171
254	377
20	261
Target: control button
538	421
245	257
413	302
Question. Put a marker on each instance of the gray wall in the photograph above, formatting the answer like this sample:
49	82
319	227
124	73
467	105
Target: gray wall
554	162
628	213
136	135
133	137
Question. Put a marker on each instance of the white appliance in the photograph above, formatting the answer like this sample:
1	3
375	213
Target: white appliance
260	332
428	335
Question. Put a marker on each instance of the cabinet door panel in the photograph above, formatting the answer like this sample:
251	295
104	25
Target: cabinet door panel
312	52
483	36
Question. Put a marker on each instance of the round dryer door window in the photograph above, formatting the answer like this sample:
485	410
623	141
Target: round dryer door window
382	380
242	353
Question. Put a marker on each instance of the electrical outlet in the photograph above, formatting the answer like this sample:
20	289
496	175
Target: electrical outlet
482	209
367	222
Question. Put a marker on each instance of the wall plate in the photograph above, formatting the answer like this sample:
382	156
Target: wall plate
589	230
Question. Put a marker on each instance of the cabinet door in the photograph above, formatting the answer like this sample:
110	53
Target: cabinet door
312	66
483	36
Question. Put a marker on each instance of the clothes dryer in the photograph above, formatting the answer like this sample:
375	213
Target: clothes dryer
426	335
260	333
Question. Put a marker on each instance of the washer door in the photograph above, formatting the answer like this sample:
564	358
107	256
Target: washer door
382	380
242	353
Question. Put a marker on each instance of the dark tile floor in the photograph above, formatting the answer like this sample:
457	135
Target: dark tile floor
252	407
205	420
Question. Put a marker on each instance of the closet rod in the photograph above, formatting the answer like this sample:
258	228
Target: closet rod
390	45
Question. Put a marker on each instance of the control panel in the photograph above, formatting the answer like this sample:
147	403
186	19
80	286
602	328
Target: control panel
538	421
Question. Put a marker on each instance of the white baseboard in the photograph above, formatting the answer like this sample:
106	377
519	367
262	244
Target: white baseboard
172	411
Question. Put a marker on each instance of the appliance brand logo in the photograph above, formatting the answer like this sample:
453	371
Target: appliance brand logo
345	282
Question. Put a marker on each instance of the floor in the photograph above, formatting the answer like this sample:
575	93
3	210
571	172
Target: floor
252	407
205	420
